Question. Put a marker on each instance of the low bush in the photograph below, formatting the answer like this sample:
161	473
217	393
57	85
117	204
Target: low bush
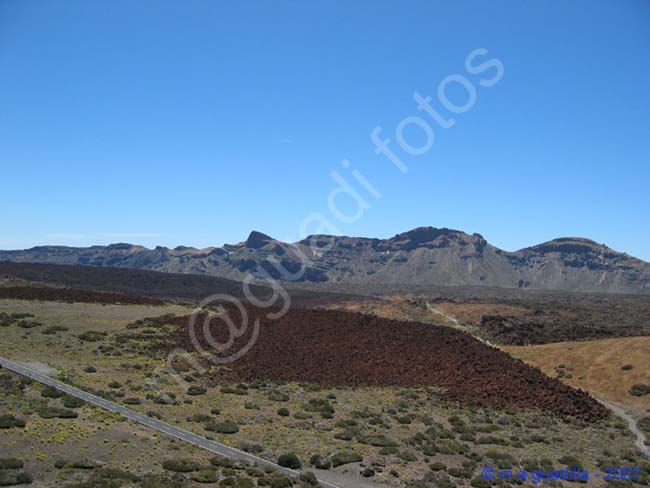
10	421
180	465
480	482
273	481
51	392
346	435
196	390
205	476
91	336
640	390
345	457
233	391
251	448
54	412
226	427
72	402
278	396
379	440
54	329
289	460
28	324
320	462
11	463
308	478
13	479
570	461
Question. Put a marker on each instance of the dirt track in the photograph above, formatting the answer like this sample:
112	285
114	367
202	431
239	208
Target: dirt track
350	349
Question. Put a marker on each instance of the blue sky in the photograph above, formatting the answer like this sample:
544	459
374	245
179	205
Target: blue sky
169	123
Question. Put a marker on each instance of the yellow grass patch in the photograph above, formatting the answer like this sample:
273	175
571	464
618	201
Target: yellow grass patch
596	366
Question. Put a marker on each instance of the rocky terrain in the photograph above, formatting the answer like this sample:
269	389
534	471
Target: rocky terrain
423	256
338	348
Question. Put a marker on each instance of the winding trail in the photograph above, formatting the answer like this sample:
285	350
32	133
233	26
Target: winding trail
620	411
640	437
457	324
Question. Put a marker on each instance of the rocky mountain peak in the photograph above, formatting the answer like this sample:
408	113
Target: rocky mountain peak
257	240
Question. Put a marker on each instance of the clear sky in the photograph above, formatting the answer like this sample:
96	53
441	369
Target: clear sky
193	122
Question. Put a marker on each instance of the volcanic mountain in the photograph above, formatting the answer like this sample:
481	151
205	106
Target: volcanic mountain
423	256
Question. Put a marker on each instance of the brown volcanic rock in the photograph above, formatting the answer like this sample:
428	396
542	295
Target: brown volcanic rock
73	295
350	349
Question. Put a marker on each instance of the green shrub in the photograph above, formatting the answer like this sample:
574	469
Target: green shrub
275	481
11	463
289	460
438	467
91	336
72	402
82	464
345	457
627	367
320	405
199	418
180	465
480	482
503	460
28	324
54	412
283	412
54	329
21	315
234	391
570	461
10	421
379	440
205	476
196	390
407	456
251	448
346	435
90	369
51	392
308	478
13	479
640	390
320	462
226	427
278	396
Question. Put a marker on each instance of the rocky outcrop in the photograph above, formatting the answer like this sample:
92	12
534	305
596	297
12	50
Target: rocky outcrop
422	256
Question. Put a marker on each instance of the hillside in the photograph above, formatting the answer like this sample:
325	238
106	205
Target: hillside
70	279
423	256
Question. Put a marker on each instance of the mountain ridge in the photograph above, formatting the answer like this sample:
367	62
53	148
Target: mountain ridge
421	256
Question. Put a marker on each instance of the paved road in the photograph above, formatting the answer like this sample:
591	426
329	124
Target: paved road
152	423
640	438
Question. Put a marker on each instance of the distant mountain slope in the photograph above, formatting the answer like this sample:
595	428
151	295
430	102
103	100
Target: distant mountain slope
423	256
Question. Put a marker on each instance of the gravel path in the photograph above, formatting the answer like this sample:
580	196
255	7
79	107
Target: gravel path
640	437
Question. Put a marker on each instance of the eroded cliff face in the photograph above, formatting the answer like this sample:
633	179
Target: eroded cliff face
422	256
